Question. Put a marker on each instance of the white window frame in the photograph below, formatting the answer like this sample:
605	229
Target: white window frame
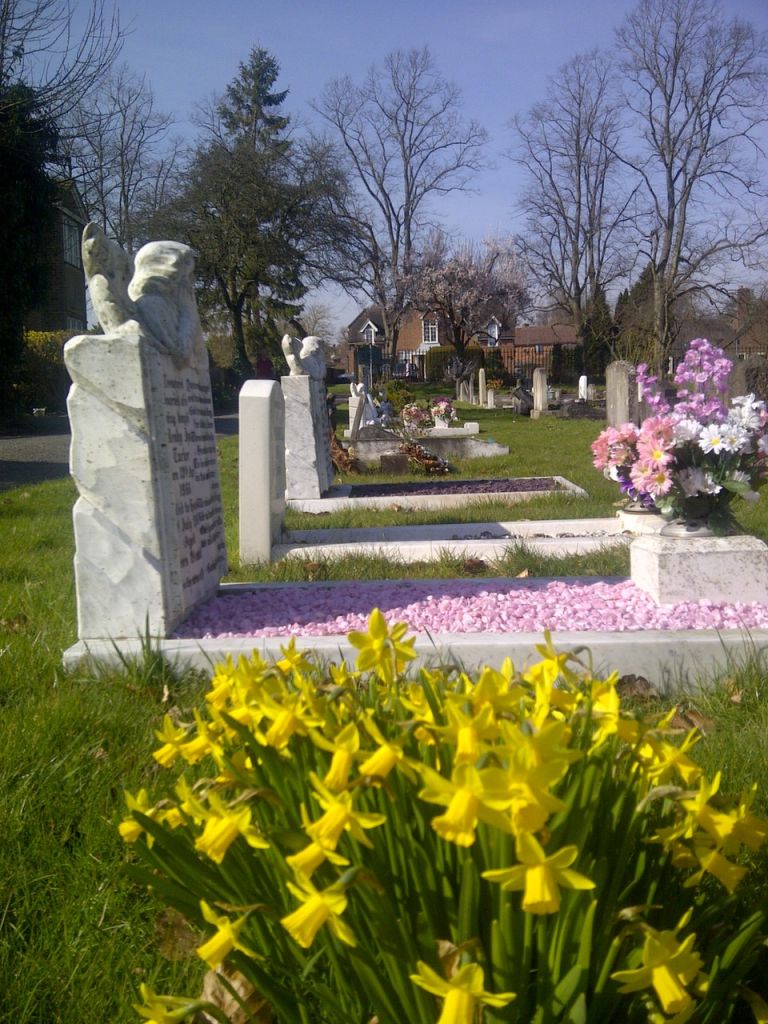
429	332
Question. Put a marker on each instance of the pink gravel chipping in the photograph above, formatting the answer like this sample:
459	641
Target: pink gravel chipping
458	606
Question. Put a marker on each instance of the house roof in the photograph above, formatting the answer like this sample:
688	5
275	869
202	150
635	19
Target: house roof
547	334
370	315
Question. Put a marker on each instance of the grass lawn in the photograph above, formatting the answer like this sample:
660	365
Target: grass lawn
76	935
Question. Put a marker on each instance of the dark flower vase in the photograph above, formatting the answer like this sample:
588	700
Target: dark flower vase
706	515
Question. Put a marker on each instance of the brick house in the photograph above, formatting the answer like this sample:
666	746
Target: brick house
534	346
419	332
63	305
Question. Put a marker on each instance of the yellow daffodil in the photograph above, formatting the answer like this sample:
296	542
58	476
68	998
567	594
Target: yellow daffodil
318	907
748	827
463	994
498	690
171	736
129	828
225	938
386	756
469	733
544	676
413	697
205	741
668	967
294	660
663	760
341	675
606	713
717	824
714	863
469	796
308	860
223	825
382	650
291	714
340	816
539	876
165	1009
757	1004
343	746
532	749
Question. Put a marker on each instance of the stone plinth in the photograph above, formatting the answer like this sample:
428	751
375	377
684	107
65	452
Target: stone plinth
675	569
640	522
262	469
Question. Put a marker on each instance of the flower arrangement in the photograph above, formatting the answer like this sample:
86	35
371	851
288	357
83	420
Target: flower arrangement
442	408
361	844
689	460
415	418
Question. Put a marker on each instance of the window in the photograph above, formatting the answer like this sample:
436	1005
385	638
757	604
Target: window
429	332
492	333
369	334
71	234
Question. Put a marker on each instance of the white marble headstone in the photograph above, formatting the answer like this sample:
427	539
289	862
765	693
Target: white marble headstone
149	532
540	390
621	404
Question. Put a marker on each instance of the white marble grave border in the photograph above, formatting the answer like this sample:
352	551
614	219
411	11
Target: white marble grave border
669	659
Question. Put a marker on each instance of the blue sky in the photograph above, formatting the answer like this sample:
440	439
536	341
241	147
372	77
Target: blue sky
499	52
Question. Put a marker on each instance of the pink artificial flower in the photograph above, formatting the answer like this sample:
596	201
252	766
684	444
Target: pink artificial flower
650	479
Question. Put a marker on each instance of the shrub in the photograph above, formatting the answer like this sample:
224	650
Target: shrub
399	394
42	379
357	843
437	361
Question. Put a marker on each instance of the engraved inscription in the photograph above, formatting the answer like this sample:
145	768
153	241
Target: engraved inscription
196	502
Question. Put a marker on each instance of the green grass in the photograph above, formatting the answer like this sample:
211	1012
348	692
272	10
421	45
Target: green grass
76	936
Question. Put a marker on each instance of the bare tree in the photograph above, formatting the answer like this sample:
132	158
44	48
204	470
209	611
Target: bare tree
121	156
467	285
405	144
42	46
576	215
697	90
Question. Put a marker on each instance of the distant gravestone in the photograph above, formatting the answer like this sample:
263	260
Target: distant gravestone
482	389
490	399
621	402
149	533
308	465
540	392
463	395
583	387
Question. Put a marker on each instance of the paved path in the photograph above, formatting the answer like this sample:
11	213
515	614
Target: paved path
42	452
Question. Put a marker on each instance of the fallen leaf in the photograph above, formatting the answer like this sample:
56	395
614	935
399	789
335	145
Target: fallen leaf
697	721
634	687
249	1008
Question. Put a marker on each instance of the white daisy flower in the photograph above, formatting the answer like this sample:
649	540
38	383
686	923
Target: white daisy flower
686	430
712	438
